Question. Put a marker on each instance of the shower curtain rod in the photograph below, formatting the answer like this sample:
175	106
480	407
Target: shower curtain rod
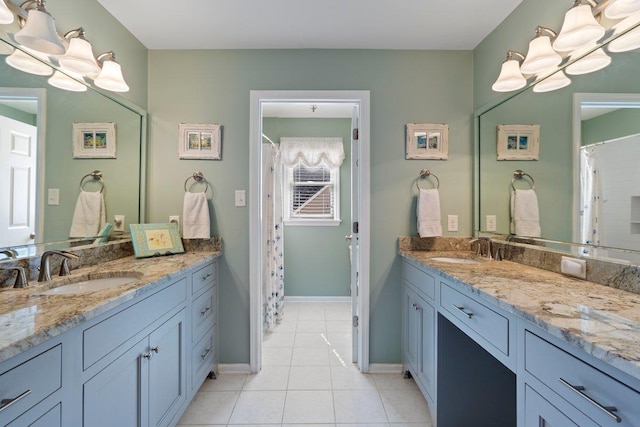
269	139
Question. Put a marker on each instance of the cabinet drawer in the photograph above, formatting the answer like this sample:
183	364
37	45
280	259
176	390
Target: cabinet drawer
203	278
28	383
51	418
104	337
538	412
203	313
491	326
424	282
565	373
202	358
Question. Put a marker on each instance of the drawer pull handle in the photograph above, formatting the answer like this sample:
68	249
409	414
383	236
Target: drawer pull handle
462	310
5	403
203	355
580	390
204	310
206	277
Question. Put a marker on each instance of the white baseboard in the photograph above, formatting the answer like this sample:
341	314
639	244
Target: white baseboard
234	368
385	368
316	299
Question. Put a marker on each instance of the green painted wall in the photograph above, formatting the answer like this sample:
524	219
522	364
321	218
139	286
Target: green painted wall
405	86
611	126
18	115
316	259
553	111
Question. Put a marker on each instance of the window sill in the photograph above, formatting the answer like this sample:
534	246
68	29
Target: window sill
312	223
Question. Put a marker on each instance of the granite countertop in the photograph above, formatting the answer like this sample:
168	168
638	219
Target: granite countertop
28	318
600	320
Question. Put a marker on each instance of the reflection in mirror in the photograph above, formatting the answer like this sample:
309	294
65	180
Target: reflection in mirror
39	202
557	170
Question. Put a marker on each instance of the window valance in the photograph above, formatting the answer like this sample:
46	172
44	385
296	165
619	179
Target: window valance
312	151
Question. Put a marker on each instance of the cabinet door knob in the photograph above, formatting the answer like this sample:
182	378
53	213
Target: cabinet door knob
155	349
147	355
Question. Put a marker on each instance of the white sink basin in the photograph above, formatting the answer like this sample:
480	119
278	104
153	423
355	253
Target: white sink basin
91	285
452	260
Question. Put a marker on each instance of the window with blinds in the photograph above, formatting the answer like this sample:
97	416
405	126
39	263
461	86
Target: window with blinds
312	193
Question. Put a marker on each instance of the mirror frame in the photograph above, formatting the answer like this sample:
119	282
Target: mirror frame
142	167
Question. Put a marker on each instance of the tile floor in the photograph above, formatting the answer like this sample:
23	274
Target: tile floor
307	379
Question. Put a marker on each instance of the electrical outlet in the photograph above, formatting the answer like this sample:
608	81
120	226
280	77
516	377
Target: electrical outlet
241	198
574	267
175	219
491	223
53	197
118	223
452	223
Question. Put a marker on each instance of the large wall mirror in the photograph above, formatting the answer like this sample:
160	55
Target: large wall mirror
597	113
40	175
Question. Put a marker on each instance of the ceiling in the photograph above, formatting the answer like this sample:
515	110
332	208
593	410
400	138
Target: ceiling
307	24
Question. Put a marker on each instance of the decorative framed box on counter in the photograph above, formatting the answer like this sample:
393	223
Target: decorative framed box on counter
156	239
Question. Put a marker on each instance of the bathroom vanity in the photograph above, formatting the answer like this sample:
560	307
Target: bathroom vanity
503	344
135	354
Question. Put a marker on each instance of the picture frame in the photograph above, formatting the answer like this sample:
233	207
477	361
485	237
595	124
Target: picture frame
156	239
199	141
427	141
518	142
94	141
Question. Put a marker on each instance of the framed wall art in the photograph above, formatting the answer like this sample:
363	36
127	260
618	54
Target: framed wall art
199	141
156	239
94	140
427	141
518	142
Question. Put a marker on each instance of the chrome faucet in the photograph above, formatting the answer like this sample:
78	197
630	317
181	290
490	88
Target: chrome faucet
479	251
10	253
21	277
45	273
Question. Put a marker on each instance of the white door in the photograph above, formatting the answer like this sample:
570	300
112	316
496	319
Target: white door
18	160
354	240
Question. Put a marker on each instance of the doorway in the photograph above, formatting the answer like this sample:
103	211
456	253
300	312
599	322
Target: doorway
358	102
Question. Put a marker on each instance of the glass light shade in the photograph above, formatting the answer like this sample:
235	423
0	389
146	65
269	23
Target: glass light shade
23	62
62	81
6	16
540	56
619	9
625	42
579	28
595	61
79	58
110	78
555	81
510	77
39	33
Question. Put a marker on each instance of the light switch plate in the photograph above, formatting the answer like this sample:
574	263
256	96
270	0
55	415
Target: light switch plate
452	223
574	267
241	198
53	197
491	223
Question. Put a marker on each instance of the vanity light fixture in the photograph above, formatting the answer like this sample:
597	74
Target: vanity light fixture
39	31
110	77
63	81
555	81
596	60
579	28
619	9
510	77
27	63
629	40
6	16
79	57
540	56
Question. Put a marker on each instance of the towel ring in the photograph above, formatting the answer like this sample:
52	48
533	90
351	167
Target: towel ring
96	175
519	174
424	174
197	177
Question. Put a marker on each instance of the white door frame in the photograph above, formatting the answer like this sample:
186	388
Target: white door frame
257	98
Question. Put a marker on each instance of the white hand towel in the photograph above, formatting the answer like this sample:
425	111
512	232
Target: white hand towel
525	216
89	216
429	213
195	216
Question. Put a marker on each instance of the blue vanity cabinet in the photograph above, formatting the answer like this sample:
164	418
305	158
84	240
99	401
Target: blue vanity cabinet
419	328
203	359
138	376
